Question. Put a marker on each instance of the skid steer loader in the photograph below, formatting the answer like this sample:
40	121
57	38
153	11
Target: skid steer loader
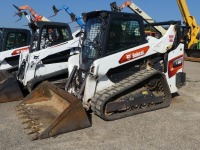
118	73
12	42
51	45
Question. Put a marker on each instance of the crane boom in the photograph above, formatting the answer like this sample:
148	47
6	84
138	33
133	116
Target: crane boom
187	18
78	19
191	22
33	13
140	12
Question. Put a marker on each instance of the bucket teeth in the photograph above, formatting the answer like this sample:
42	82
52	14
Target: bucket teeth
27	109
24	108
33	118
35	137
30	122
35	134
31	132
21	113
26	121
50	111
24	112
21	107
24	116
34	130
32	125
27	127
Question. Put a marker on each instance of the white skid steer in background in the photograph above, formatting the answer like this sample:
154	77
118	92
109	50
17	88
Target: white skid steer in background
13	41
51	45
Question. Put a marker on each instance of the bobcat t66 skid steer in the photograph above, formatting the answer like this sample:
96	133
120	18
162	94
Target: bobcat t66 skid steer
118	73
12	42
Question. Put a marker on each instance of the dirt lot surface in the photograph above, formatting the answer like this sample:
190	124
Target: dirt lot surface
174	128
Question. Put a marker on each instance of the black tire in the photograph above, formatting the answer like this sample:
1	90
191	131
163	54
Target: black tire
194	46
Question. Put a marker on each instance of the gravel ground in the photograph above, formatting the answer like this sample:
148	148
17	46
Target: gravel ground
176	127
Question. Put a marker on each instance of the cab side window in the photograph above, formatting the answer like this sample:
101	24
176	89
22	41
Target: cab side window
21	40
123	34
52	35
10	44
16	40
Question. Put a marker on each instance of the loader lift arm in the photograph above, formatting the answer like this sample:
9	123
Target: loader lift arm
78	19
140	12
20	14
33	13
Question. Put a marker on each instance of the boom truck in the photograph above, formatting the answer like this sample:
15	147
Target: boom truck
190	32
51	45
118	73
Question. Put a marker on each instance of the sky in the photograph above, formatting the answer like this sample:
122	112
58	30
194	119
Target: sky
159	10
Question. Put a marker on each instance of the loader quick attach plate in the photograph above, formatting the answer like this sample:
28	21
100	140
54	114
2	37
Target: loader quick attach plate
48	111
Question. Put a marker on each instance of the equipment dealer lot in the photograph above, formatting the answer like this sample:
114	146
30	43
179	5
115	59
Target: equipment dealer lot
175	127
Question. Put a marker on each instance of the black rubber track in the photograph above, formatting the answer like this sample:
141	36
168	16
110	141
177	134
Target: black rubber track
101	98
